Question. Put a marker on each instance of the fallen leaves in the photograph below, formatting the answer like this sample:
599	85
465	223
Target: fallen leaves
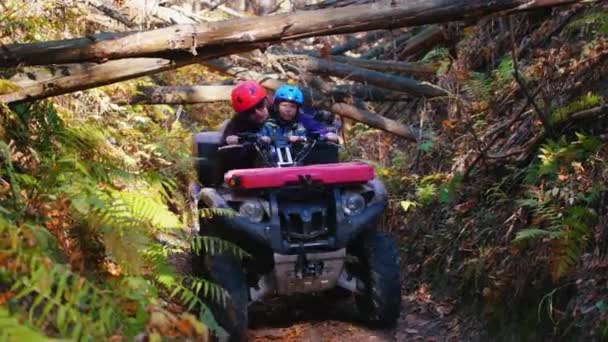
166	324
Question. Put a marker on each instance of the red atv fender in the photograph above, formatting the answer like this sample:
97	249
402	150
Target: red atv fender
340	173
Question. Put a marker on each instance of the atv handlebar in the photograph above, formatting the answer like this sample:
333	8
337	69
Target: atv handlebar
267	150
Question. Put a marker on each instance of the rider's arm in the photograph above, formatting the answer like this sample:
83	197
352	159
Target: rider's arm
266	132
307	118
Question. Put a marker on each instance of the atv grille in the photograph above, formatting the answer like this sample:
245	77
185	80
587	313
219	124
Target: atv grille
303	223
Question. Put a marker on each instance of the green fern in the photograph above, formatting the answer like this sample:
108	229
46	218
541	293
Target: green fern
212	245
503	74
595	23
12	330
584	102
535	233
478	86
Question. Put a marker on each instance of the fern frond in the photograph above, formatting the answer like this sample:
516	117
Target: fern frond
12	329
534	233
210	212
67	301
212	245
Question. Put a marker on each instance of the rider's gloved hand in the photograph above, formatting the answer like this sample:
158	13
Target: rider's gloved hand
232	140
265	139
331	136
294	139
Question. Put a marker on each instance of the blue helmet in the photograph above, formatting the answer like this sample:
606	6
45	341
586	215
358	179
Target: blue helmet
289	93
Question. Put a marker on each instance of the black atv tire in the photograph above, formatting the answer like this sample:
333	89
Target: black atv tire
380	304
226	271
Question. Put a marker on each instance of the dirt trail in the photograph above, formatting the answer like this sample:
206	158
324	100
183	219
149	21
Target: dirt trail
331	318
323	318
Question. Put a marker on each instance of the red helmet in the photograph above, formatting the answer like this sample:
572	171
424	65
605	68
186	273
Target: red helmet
246	95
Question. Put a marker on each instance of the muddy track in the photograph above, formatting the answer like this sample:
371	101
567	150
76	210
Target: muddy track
326	318
333	317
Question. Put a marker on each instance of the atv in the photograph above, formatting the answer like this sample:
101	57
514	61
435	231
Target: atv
307	222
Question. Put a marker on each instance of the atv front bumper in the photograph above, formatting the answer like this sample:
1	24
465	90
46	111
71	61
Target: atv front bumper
347	228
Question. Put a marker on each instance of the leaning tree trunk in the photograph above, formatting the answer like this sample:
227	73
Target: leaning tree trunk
398	83
388	66
58	80
180	40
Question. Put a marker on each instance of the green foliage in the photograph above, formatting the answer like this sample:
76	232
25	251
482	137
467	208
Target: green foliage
31	23
483	86
561	153
440	56
11	330
435	54
426	146
478	86
595	24
426	193
586	101
89	195
438	187
211	245
503	75
560	212
101	181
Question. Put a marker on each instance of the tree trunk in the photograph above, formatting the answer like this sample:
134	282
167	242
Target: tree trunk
57	80
384	48
353	43
403	84
179	95
382	65
185	39
375	120
422	42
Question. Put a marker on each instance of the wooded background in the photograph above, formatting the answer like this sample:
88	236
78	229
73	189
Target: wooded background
486	120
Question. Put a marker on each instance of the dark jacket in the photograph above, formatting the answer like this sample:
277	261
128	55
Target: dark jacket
240	124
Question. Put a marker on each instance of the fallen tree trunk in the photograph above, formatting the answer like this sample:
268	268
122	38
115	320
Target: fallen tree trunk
183	39
179	95
388	46
354	43
398	83
423	42
375	120
66	79
383	65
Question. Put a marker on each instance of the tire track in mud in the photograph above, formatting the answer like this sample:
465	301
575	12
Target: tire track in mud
325	318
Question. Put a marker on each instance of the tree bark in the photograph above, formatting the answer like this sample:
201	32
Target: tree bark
179	95
183	39
353	43
387	46
383	65
375	120
422	42
58	80
402	84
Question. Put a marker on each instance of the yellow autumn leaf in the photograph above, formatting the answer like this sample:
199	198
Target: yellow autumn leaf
406	205
7	87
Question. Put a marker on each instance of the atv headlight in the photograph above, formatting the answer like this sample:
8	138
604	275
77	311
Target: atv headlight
353	203
253	210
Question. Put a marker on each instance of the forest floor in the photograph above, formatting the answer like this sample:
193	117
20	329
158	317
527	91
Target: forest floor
323	318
